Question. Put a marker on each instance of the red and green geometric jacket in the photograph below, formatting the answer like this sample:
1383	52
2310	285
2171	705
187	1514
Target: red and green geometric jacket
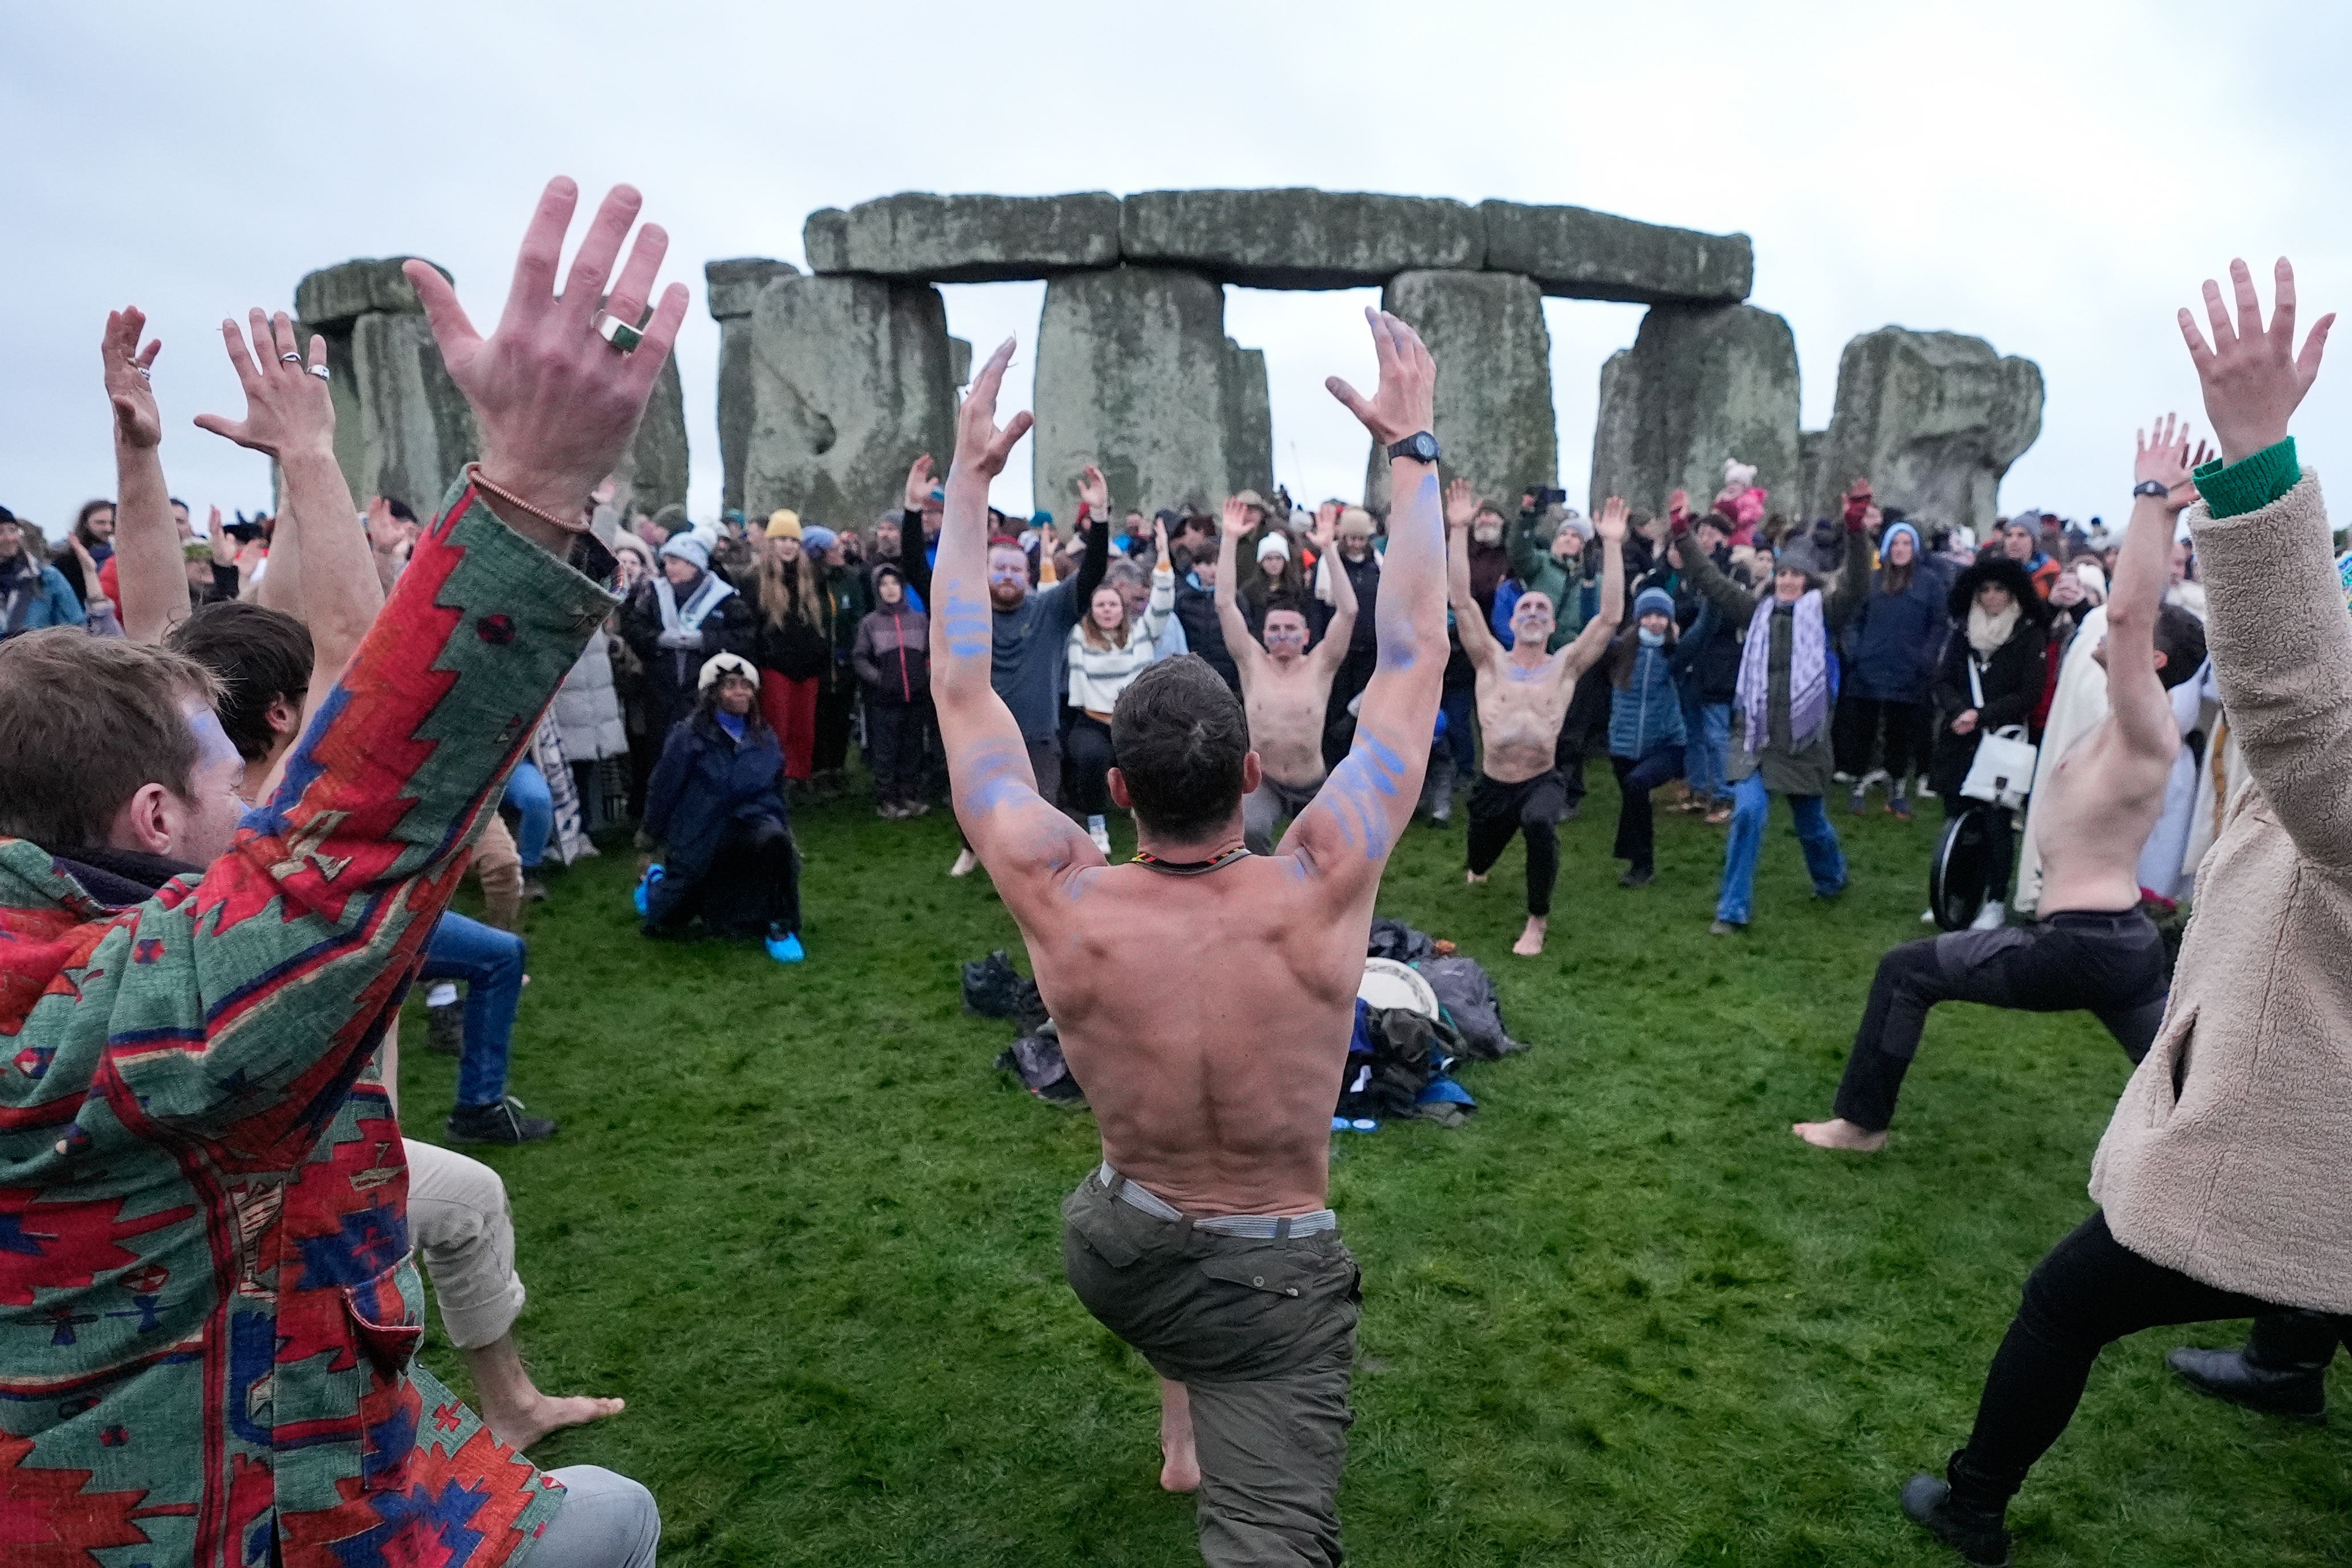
207	1310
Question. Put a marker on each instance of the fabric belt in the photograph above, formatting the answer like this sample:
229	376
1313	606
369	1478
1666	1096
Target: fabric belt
1251	1227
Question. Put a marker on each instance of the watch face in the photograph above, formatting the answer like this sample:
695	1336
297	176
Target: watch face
1421	447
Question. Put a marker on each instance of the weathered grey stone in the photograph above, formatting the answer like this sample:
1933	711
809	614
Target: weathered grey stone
1135	374
965	239
849	381
1298	238
1933	419
959	361
732	289
1815	489
414	431
1700	384
1494	419
334	295
1577	253
654	475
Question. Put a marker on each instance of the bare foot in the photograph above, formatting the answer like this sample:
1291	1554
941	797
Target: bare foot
1473	878
526	1425
1531	940
1180	1466
1840	1134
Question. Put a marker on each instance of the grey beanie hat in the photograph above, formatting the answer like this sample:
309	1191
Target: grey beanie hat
1798	554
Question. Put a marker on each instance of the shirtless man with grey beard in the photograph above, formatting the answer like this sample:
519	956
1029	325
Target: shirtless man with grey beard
2092	947
1285	688
1213	1064
1523	697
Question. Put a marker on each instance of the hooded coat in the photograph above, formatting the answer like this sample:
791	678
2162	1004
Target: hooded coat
2011	677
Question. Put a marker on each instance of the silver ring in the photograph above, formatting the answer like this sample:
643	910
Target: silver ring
144	374
617	332
320	372
290	358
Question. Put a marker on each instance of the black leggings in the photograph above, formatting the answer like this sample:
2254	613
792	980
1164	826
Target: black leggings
1636	826
2111	965
1896	732
1089	748
753	885
1532	806
894	734
2090	1291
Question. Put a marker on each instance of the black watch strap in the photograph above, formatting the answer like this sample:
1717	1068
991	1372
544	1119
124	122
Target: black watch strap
1420	446
2156	487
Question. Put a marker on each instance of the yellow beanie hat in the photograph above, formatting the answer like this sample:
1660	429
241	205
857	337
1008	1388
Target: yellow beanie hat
784	524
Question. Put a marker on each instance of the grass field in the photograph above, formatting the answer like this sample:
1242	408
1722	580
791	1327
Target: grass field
802	1225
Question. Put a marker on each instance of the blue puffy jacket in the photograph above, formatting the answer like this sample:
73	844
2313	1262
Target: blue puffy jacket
1895	638
1646	712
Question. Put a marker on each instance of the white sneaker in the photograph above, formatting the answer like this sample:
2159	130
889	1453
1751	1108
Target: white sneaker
1927	917
964	863
1101	836
1991	917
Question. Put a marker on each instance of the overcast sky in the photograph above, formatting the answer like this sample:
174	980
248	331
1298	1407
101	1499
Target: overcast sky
2055	177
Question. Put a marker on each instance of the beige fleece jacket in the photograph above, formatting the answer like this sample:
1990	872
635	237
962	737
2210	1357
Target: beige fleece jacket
2242	1177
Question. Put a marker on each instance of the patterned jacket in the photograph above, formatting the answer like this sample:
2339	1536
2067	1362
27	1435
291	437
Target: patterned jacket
207	1307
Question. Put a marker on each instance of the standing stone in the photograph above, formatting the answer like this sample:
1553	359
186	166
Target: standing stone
1494	419
732	289
1934	419
1135	374
401	428
1818	493
849	381
1700	384
964	239
1578	254
1298	238
654	473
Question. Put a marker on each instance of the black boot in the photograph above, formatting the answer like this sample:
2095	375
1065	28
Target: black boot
2281	1370
445	1028
502	1122
1977	1532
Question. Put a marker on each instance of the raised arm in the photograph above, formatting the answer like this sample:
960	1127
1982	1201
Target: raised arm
1344	838
2280	640
1162	602
912	564
1730	600
327	563
1853	578
296	944
1239	643
149	567
1593	641
1461	511
1025	844
1333	649
2136	692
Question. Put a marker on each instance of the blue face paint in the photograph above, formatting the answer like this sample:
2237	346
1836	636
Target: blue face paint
213	748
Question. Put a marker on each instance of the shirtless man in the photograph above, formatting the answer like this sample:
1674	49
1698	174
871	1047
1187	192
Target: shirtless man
2093	947
1285	688
1204	1240
1523	697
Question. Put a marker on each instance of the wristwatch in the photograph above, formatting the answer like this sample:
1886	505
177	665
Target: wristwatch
2156	487
1421	447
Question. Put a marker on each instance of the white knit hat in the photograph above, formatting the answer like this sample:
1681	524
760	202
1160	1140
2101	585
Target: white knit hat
719	664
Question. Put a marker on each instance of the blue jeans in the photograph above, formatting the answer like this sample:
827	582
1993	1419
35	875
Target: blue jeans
527	793
490	963
1461	739
1708	728
1750	803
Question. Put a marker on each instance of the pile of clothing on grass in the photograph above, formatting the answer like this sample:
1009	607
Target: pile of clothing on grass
1422	1008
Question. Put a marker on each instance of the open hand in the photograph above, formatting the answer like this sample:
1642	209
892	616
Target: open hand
981	446
217	537
1236	518
2163	457
1610	526
556	404
920	483
287	409
386	532
1461	505
136	420
1406	402
1162	560
1094	491
1323	531
2252	377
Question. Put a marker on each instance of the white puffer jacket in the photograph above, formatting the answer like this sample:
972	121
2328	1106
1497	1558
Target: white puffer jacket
588	710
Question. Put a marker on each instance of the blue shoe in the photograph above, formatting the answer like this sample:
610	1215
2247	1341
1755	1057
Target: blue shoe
652	874
786	949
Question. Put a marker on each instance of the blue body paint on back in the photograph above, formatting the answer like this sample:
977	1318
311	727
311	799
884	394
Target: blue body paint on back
966	622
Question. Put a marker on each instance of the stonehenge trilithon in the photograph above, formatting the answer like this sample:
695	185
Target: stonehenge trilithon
965	239
1934	418
850	379
1700	384
1135	373
1297	239
403	429
732	287
1578	254
1494	419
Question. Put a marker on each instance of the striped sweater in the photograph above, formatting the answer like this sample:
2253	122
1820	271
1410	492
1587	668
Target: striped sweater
1098	675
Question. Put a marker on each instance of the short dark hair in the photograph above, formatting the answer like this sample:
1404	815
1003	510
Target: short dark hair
1178	736
399	508
84	723
257	654
2180	638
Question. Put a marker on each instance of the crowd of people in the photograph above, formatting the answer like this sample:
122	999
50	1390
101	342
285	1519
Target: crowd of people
241	774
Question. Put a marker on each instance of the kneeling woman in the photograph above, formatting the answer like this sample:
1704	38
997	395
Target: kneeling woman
716	821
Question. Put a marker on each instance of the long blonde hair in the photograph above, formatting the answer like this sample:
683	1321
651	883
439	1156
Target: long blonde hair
799	596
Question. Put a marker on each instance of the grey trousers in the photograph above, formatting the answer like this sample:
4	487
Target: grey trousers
608	1520
1264	807
1262	1334
463	1232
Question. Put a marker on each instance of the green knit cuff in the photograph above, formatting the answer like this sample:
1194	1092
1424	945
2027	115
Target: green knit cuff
2251	482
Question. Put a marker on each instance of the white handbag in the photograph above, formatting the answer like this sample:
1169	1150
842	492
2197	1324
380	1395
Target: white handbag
2002	773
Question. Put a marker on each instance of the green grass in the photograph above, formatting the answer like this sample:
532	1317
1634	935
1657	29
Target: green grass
801	1222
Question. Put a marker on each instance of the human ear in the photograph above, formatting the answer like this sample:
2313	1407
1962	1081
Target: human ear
1253	773
1118	795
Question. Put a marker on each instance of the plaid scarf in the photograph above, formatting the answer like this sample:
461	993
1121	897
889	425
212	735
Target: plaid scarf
1809	671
